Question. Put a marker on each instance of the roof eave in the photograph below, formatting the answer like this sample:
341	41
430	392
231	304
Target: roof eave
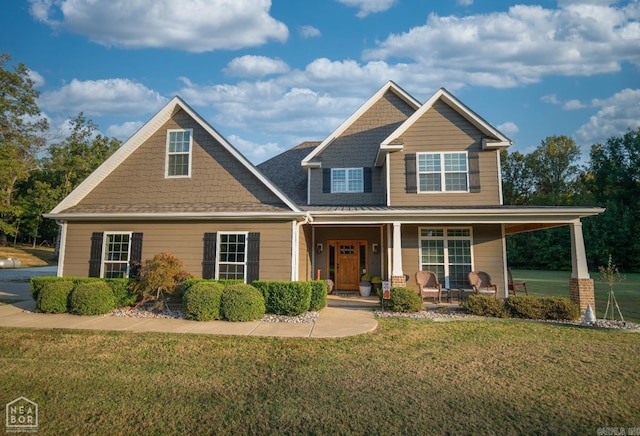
176	216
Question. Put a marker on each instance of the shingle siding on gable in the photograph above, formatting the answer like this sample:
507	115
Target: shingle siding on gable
216	176
443	129
357	147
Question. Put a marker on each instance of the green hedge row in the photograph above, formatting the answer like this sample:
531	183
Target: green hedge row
83	297
529	307
124	295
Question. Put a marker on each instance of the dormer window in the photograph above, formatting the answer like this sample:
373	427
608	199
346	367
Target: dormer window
443	172
347	180
178	159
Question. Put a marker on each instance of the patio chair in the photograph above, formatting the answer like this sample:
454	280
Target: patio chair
429	285
514	286
481	283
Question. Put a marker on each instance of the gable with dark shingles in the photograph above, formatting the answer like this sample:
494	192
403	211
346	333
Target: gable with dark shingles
286	172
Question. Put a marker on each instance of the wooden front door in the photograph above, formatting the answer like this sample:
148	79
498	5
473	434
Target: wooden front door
348	263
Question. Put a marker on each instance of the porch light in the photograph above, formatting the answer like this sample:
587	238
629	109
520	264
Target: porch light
319	248
375	248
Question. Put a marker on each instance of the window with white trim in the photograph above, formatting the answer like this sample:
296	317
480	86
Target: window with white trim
447	252
178	159
443	172
347	180
116	254
232	256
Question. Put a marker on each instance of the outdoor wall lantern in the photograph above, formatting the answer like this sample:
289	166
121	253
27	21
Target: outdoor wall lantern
319	248
375	248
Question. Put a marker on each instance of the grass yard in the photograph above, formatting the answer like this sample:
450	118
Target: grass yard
556	283
30	257
408	377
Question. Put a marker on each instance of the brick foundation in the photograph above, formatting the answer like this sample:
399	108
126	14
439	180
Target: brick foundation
582	293
398	282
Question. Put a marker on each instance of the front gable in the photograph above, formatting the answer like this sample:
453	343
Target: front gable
136	179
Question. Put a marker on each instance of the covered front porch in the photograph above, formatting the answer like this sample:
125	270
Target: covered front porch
395	243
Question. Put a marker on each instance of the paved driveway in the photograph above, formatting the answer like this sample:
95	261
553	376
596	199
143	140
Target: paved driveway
14	283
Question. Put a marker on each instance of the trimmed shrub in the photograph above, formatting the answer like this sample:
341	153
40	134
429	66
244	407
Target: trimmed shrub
53	296
91	298
403	300
37	283
484	305
224	282
559	309
201	301
241	303
318	295
288	298
263	286
528	307
122	291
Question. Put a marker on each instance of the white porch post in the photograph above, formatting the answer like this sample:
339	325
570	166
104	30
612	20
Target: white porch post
581	288
397	275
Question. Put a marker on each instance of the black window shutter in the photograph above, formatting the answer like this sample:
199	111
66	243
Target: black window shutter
474	172
209	256
95	255
253	257
367	175
135	260
326	180
410	173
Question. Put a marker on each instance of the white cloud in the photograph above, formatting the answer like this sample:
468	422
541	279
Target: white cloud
369	6
37	78
615	116
195	26
124	131
255	66
465	2
309	32
255	152
102	97
522	45
509	128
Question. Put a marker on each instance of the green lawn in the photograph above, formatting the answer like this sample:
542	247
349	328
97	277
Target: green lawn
556	283
407	377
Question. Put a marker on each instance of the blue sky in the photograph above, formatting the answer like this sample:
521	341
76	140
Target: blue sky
271	74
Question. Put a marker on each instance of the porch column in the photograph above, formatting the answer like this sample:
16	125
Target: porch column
397	276
581	287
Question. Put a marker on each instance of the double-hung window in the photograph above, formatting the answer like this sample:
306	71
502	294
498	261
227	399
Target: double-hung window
447	252
178	159
116	255
347	180
443	172
232	258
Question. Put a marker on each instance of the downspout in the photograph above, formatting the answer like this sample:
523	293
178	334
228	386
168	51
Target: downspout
295	245
63	244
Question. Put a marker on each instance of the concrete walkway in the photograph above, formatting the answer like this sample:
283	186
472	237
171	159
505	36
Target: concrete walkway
332	322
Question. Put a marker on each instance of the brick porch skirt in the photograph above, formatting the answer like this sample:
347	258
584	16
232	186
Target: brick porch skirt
581	292
398	282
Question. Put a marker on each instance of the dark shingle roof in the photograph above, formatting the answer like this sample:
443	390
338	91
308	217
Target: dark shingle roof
286	172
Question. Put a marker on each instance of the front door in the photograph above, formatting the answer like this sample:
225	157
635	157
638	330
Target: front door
349	260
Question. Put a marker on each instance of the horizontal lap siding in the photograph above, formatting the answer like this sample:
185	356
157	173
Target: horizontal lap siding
443	129
185	241
486	251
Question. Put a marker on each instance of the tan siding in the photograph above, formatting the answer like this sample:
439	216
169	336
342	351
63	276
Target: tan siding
216	176
487	252
184	240
443	129
357	147
305	271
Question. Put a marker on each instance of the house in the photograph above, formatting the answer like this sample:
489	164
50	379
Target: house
398	187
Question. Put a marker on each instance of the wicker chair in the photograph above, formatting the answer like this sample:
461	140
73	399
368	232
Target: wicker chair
514	286
481	283
429	285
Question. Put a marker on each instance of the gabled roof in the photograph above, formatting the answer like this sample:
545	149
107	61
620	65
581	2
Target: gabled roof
389	86
494	138
139	138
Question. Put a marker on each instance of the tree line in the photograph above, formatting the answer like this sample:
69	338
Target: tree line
37	171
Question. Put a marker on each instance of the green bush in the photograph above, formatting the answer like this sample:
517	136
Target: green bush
241	303
286	298
161	279
225	282
263	286
53	296
318	295
122	291
37	283
523	306
201	301
91	298
403	300
561	309
484	305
